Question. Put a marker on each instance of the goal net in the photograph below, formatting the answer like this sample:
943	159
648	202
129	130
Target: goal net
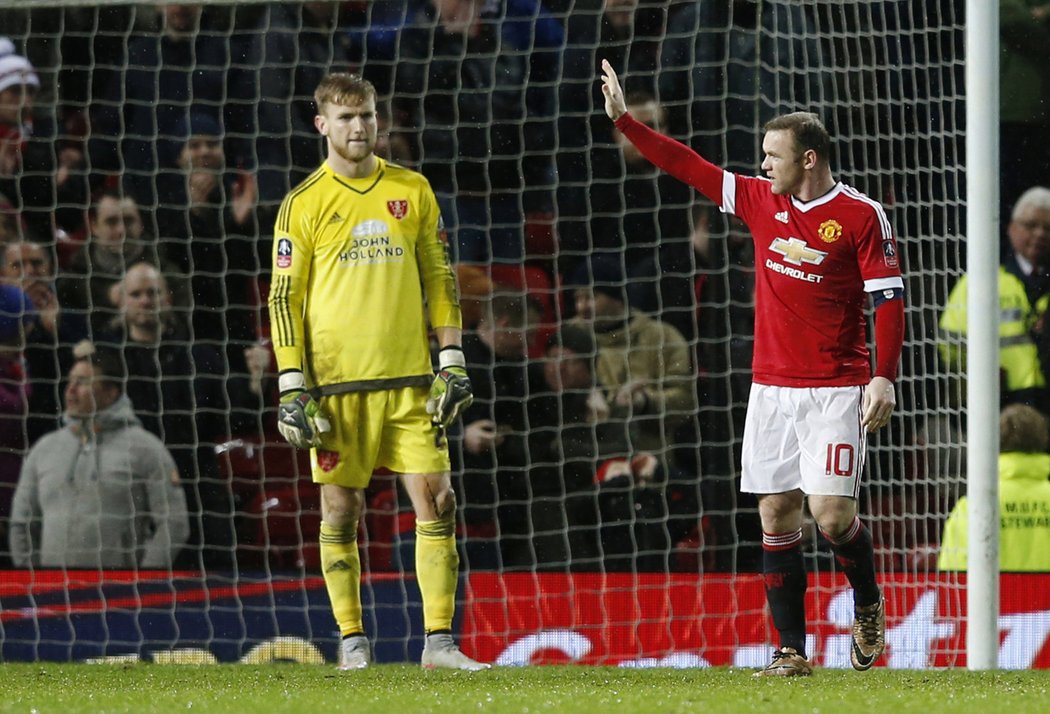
610	532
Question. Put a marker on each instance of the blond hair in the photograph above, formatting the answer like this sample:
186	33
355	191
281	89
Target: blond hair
343	88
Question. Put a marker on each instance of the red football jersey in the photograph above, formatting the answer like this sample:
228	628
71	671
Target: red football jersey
815	262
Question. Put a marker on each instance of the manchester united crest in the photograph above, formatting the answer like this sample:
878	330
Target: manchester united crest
398	209
830	231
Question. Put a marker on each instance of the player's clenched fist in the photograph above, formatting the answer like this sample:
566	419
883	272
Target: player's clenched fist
299	416
451	392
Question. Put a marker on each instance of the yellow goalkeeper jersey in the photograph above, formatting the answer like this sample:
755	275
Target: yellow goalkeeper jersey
352	261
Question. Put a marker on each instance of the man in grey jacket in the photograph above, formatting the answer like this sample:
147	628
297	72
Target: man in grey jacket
101	492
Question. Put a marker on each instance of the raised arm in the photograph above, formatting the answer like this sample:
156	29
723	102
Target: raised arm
672	156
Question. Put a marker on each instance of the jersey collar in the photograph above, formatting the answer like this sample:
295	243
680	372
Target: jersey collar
805	206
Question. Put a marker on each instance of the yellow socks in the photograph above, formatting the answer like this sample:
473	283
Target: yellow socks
437	568
341	566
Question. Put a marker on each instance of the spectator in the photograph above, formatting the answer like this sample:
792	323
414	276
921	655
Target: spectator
301	42
136	124
116	240
642	513
16	316
648	219
1024	295
10	219
178	386
101	492
735	54
494	484
48	338
1024	498
644	368
589	165
47	187
460	88
209	238
475	290
567	414
643	364
595	502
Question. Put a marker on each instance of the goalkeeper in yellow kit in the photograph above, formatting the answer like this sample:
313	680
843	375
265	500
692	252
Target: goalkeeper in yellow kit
357	245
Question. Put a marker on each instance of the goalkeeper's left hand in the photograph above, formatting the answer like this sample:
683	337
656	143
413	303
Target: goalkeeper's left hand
451	392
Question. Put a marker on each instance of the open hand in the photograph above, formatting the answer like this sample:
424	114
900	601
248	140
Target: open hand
615	104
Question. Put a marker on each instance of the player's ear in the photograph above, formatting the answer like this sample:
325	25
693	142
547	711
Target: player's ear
321	125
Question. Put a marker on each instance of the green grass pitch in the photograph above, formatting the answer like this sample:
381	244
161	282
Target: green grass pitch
46	688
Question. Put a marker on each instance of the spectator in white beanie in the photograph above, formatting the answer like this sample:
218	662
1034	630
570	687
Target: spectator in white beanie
18	86
41	172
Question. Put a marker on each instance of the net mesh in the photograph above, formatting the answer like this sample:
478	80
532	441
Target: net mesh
500	108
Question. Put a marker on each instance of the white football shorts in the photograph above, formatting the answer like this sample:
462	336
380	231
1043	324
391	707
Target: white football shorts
804	438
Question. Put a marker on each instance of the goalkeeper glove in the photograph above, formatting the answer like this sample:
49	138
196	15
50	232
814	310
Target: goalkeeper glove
299	417
451	392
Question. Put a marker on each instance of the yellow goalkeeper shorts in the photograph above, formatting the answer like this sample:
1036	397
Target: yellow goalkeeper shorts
387	428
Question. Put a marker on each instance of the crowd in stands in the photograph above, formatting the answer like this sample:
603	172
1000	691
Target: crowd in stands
606	309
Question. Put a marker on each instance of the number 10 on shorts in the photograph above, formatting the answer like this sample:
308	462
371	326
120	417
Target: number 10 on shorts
840	460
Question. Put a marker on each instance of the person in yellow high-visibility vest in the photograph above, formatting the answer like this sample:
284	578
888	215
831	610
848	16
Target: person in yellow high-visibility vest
1024	498
1024	296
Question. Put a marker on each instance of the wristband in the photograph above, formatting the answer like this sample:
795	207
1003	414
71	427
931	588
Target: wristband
451	356
291	380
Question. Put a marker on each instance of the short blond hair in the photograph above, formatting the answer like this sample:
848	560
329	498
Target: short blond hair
343	88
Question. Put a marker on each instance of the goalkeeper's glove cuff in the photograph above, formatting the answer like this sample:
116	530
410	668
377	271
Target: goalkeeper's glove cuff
451	356
291	380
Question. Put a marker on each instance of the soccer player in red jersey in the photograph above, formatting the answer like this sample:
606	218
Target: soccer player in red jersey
821	248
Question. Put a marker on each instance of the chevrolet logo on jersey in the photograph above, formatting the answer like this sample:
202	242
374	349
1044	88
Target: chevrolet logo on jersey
796	252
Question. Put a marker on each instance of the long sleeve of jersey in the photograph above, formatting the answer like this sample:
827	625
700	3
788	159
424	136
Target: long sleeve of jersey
288	288
439	282
889	338
674	157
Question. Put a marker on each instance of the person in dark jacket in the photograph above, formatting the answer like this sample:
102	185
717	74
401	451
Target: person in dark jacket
179	388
